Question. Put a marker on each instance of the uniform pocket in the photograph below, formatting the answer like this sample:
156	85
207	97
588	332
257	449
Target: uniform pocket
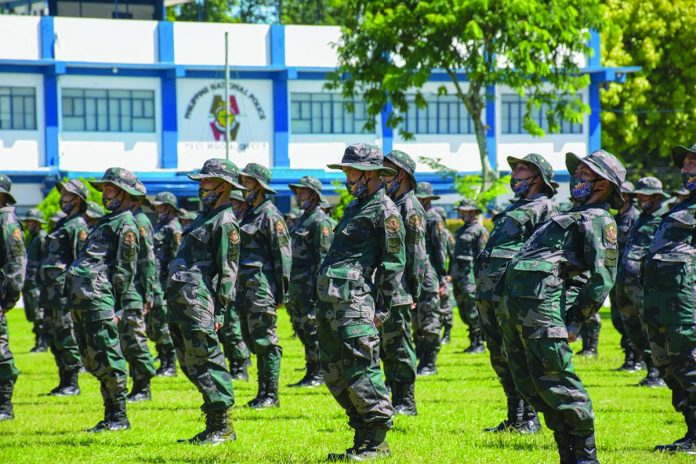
530	279
336	285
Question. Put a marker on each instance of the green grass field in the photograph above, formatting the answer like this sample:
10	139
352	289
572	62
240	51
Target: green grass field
454	407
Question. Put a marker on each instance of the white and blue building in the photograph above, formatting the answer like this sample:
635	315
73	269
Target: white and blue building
79	95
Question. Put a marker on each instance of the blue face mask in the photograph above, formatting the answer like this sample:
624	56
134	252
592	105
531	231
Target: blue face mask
357	188
306	204
112	204
208	197
521	186
580	189
67	207
689	181
392	186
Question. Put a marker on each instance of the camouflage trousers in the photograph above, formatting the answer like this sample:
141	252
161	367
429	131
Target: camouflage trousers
629	297
349	356
230	335
427	324
543	372
591	327
157	326
102	355
132	332
302	308
202	362
33	310
397	351
62	339
617	321
465	296
674	354
493	335
8	370
447	303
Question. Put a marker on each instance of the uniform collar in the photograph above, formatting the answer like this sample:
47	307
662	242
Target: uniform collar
601	205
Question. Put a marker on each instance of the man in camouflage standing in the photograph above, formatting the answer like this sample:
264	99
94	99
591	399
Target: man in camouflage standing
629	289
63	245
311	239
100	278
356	287
93	214
428	322
166	241
264	274
533	187
31	293
13	263
538	320
470	239
200	290
398	351
670	301
447	299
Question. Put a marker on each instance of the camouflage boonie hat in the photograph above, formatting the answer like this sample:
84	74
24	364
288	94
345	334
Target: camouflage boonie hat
681	192
403	162
260	174
606	166
424	191
217	168
649	186
627	188
679	154
308	182
34	214
5	187
237	195
165	198
121	178
57	217
540	163
74	186
94	211
363	157
468	205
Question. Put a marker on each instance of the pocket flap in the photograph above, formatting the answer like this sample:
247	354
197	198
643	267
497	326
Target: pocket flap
564	220
343	273
538	266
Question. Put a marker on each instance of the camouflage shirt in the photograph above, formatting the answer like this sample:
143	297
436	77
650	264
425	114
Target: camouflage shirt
413	217
266	249
367	253
13	257
668	269
63	245
437	242
142	289
582	240
203	274
470	239
105	267
166	240
639	237
36	249
511	228
311	239
624	221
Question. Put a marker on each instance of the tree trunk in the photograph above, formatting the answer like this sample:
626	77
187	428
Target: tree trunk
487	173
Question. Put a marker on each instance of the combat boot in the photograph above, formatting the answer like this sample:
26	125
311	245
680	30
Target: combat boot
140	391
375	446
358	442
6	390
313	377
585	450
167	364
476	345
446	336
629	361
62	378
238	369
565	447
515	415
71	387
590	344
530	421
270	397
686	444
404	398
259	395
427	365
119	419
40	345
653	379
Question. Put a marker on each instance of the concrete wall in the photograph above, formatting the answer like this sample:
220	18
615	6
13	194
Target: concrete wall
23	149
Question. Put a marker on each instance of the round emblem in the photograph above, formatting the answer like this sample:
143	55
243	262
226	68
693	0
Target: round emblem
325	231
82	235
611	232
129	238
234	237
415	221
280	227
143	231
17	234
392	223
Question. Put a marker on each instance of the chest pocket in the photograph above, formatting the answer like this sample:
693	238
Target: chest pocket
358	229
198	240
669	270
531	278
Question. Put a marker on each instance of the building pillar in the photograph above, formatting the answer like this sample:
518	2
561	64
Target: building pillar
169	158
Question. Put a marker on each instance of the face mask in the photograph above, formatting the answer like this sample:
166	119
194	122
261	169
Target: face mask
112	204
689	181
391	186
306	204
521	186
163	217
580	189
67	207
357	188
208	197
251	196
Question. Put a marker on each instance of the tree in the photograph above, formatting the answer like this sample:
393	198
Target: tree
656	108
390	48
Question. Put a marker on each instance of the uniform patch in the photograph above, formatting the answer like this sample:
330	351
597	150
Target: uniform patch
234	237
392	223
415	221
143	231
325	231
440	225
279	227
82	235
17	234
177	238
129	238
611	233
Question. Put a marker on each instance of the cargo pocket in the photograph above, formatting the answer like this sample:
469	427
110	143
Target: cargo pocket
337	284
531	279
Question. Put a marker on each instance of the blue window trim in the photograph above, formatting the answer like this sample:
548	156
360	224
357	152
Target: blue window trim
19	124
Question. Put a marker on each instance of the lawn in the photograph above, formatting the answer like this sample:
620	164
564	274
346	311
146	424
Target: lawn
454	406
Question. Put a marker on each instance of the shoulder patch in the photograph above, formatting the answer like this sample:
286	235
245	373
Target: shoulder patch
17	234
325	230
279	227
82	236
415	221
234	236
392	223
177	237
129	238
610	232
143	231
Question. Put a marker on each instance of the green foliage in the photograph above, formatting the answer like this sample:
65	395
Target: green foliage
50	205
258	11
390	48
344	199
655	109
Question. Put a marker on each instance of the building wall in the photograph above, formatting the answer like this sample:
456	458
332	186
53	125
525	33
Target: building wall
23	149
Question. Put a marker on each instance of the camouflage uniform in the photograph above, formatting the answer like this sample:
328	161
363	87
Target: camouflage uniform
100	278
93	214
356	285
470	239
13	262
166	241
63	245
535	312
397	348
311	239
629	290
264	274
511	228
428	322
669	305
447	299
35	244
200	289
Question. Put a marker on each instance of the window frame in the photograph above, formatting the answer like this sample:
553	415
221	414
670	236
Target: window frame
82	110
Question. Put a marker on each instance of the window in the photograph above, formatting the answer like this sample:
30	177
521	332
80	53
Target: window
97	110
17	108
513	108
326	113
444	114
